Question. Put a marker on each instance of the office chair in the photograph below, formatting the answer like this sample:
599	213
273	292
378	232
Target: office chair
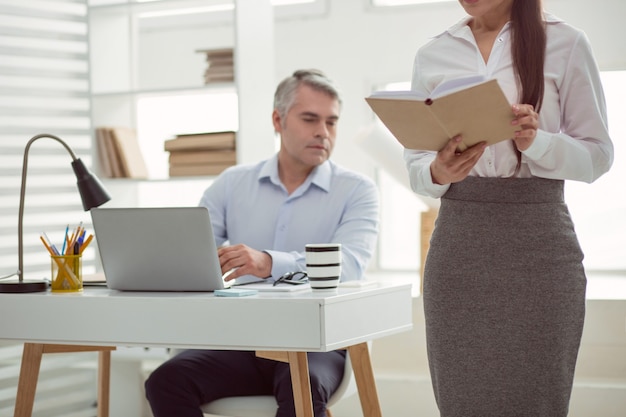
265	405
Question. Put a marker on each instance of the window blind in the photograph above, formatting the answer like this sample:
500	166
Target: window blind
44	88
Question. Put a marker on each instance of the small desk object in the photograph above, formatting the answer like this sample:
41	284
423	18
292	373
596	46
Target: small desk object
281	326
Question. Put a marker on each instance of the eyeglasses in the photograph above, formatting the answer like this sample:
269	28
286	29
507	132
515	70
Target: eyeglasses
293	278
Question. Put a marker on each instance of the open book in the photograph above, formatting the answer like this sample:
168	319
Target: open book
472	107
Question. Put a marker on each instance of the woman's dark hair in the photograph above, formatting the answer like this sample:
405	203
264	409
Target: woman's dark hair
529	49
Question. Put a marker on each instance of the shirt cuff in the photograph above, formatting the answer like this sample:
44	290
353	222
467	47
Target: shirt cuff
427	184
539	146
282	262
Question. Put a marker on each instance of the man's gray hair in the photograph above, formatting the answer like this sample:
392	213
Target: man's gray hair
285	95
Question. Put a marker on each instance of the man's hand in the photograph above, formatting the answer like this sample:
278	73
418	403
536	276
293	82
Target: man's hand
245	261
451	165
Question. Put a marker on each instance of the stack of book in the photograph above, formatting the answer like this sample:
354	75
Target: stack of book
220	65
119	153
201	153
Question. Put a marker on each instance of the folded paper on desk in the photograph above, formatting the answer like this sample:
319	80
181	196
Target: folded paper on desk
472	107
235	292
268	286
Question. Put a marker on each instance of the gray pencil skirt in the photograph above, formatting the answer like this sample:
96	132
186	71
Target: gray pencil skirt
504	299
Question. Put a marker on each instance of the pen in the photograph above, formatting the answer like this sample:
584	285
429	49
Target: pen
70	240
67	229
78	243
85	244
46	245
75	236
54	249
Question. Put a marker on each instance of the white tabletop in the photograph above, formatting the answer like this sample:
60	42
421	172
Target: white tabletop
300	321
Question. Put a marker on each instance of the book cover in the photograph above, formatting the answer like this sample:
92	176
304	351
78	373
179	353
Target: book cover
476	109
223	156
220	71
195	170
200	141
209	78
219	61
113	154
103	154
220	65
216	52
130	155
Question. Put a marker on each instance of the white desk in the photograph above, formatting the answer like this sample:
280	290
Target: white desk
293	323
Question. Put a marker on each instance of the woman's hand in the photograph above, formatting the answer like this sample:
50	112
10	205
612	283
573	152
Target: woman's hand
451	165
528	120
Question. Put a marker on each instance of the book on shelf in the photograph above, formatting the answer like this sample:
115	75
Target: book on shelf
119	153
210	78
197	169
219	72
201	141
104	159
472	107
221	61
218	156
217	77
111	155
206	153
216	52
225	70
225	60
220	67
131	157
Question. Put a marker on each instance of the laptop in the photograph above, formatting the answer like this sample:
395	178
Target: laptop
157	249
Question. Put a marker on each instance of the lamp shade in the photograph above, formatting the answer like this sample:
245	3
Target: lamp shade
92	192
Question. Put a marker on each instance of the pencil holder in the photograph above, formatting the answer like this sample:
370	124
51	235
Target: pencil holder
67	273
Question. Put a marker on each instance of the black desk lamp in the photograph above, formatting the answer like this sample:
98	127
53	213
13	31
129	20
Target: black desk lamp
92	194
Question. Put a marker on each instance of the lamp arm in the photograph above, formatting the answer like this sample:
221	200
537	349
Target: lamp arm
20	244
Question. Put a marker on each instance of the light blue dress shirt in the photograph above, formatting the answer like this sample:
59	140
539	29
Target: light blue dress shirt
248	204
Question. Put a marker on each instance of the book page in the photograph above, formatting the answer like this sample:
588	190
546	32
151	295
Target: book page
456	84
445	88
399	94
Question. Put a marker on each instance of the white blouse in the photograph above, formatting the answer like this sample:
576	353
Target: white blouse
572	141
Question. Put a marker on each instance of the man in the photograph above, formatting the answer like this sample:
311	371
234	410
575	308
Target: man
266	213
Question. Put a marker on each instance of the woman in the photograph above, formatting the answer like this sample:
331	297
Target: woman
504	284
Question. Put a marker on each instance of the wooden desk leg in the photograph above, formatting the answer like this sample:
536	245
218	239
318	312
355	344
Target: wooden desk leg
104	378
301	383
300	379
27	383
364	376
29	374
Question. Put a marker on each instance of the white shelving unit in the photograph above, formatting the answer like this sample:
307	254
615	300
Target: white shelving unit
148	49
